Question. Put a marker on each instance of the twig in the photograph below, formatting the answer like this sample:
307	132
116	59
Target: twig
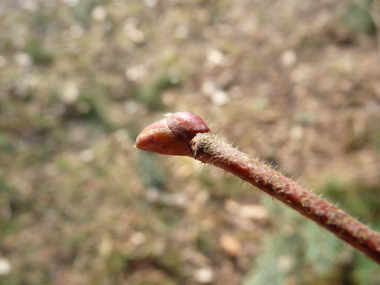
184	133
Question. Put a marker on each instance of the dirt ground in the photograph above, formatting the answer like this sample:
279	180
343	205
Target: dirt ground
295	83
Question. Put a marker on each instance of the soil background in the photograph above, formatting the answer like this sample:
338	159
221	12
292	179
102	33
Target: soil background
295	83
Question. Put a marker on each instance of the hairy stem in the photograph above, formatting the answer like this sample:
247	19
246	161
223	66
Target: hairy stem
208	148
184	133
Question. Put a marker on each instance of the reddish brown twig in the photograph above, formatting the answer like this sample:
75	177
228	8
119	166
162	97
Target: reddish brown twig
186	134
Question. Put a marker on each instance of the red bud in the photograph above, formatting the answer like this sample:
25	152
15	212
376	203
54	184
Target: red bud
186	125
172	135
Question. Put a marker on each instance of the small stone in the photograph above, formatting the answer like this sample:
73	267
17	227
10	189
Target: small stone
70	93
220	98
23	59
86	155
288	58
3	61
71	3
132	32
296	133
150	3
215	58
137	238
99	13
152	195
105	246
301	74
204	275
29	5
252	211
5	266
135	73
137	36
182	32
230	244
76	31
285	263
208	87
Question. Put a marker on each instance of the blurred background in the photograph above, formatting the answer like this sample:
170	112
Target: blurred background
295	83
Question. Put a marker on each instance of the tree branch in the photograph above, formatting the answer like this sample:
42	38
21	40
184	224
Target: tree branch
176	135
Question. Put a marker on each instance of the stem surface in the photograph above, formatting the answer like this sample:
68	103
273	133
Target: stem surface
208	148
184	133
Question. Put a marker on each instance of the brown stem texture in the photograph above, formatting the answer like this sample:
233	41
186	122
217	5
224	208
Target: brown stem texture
208	148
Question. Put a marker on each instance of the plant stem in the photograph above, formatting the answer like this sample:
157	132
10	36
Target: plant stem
208	148
186	134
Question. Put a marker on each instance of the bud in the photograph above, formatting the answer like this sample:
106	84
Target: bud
186	125
172	135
